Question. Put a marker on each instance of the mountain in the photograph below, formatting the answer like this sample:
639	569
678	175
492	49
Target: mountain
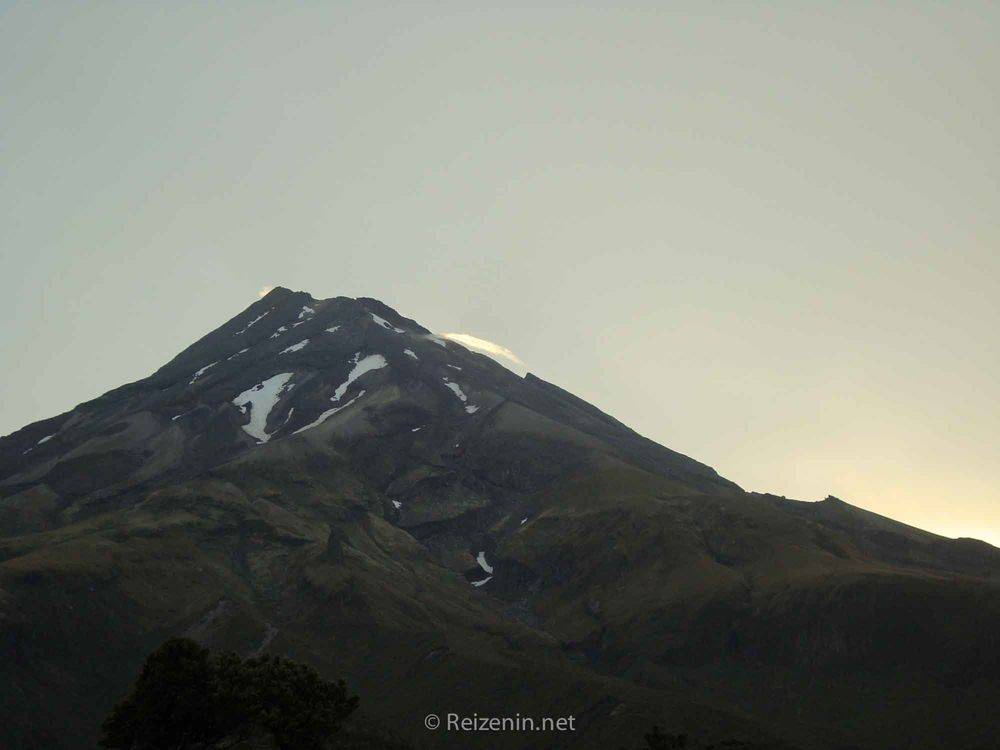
328	480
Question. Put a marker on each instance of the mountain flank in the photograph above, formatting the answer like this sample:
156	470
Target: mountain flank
330	481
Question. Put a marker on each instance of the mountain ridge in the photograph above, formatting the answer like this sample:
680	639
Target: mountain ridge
330	480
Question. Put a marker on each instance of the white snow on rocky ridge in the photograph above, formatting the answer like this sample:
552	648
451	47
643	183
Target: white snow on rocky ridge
361	366
470	408
251	323
456	388
327	414
201	372
306	310
45	439
385	323
487	568
481	559
295	347
261	399
241	351
280	331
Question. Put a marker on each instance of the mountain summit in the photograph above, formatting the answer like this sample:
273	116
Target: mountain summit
330	480
291	365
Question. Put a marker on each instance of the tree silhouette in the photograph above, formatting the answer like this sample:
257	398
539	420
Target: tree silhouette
167	706
185	698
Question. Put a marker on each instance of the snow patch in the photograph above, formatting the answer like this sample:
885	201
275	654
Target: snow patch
410	353
251	323
385	323
280	331
361	366
454	367
487	568
295	347
396	504
327	414
481	559
306	310
333	330
524	520
45	439
201	372
417	429
241	351
261	399
456	388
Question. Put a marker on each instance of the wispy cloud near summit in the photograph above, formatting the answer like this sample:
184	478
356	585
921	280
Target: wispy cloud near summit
482	345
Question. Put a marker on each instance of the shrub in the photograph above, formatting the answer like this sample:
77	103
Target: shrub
185	698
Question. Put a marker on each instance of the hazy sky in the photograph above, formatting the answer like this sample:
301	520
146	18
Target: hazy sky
764	235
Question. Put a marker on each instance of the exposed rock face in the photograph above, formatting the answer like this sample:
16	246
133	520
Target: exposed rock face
312	478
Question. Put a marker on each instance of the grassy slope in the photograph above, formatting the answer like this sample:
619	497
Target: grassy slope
789	620
225	558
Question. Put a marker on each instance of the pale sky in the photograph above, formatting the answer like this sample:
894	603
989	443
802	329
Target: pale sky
765	235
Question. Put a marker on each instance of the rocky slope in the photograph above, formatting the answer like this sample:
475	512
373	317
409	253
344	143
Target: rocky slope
332	481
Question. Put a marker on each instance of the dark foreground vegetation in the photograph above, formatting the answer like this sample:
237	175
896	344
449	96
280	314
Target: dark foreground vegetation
658	740
186	697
